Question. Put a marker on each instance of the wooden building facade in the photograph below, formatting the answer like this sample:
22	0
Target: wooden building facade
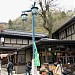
61	47
13	42
51	50
67	32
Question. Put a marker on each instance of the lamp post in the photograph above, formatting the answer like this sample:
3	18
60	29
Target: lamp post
24	15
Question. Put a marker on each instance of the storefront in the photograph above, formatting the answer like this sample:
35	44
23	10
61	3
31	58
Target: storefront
54	50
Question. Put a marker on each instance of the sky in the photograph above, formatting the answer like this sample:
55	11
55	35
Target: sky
11	9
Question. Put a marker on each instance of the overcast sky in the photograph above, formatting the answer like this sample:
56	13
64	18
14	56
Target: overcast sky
11	9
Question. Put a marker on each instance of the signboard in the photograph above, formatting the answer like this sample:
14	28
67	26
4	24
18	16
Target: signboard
36	56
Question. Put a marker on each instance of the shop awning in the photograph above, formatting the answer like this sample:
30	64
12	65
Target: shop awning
3	55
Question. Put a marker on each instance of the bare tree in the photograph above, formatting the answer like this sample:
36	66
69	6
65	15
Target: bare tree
46	14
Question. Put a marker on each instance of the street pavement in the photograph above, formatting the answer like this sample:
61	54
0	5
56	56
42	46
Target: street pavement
4	72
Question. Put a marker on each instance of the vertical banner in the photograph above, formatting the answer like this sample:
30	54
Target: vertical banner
36	56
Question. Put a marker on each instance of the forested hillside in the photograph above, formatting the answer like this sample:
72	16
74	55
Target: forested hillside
59	19
3	25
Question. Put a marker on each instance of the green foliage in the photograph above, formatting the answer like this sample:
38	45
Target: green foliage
10	24
57	21
63	14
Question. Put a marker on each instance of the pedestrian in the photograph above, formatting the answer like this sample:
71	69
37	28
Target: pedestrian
59	68
28	68
50	72
43	71
10	68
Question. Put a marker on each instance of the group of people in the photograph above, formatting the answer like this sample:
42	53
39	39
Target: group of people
43	70
58	70
10	68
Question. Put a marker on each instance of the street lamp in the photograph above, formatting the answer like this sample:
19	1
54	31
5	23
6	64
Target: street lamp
34	10
24	15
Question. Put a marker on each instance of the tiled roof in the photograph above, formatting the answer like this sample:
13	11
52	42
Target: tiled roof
8	48
21	33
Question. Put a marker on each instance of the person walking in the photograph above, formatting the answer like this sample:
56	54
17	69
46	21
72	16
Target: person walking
10	68
28	68
58	69
43	71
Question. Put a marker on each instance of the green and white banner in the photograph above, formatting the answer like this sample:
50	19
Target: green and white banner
36	56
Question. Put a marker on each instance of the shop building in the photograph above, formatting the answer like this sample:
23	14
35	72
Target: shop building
13	42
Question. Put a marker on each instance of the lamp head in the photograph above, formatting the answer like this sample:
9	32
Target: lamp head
24	16
34	10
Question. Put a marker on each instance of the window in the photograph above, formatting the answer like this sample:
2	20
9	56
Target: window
19	41
72	29
60	36
21	58
69	30
7	40
64	33
13	41
25	41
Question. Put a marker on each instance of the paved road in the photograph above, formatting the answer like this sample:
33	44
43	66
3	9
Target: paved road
4	72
